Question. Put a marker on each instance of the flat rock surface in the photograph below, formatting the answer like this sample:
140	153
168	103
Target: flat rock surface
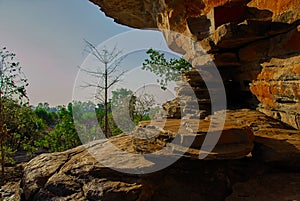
232	140
77	174
276	143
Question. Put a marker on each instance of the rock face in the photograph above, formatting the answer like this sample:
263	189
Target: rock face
77	175
278	89
253	43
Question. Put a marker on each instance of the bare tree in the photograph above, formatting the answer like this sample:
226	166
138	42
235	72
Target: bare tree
106	74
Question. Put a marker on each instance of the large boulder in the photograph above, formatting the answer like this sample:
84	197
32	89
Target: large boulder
276	143
76	175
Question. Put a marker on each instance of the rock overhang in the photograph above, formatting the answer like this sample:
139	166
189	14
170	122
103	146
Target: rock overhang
242	37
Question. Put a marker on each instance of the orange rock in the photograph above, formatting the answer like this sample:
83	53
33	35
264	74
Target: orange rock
277	7
262	91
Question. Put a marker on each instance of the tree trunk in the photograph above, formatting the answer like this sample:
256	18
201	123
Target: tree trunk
2	161
106	102
2	133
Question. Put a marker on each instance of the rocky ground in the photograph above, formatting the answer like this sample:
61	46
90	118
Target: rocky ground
13	175
257	158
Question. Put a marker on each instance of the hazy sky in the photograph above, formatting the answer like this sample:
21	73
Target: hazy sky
47	36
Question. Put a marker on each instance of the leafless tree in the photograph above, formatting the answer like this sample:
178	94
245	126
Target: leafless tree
106	73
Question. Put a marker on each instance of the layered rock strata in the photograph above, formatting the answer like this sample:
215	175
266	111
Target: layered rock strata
253	43
192	98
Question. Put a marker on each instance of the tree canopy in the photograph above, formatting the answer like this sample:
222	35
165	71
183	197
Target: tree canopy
167	70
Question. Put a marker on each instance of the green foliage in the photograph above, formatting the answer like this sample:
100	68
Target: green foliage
13	85
32	129
121	96
129	109
65	135
50	118
123	107
23	126
167	70
13	82
113	127
87	117
8	153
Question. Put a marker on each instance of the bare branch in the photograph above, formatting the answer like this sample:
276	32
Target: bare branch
116	79
93	50
90	72
108	74
88	85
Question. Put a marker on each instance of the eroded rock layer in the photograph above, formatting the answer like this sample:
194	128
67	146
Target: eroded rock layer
84	173
254	44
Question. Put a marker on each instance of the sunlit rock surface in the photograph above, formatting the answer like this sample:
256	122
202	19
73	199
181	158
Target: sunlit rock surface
77	175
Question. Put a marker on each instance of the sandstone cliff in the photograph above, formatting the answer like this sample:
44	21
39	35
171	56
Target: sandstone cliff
254	43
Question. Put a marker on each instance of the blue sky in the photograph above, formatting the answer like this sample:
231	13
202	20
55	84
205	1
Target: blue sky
47	36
